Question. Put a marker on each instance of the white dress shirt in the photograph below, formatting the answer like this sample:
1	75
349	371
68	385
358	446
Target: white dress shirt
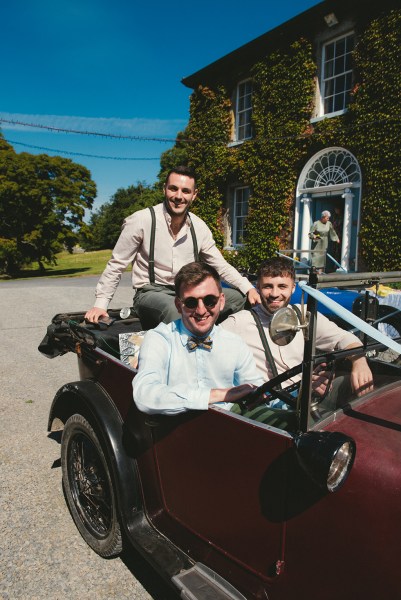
171	379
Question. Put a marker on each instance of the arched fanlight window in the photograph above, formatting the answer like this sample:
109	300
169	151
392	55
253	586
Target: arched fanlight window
332	167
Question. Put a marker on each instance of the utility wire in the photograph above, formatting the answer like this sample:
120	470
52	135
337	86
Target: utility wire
136	138
79	153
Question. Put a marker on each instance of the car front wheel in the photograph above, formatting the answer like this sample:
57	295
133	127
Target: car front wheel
88	487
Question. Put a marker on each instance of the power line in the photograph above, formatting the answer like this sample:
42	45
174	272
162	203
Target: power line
79	153
308	134
136	138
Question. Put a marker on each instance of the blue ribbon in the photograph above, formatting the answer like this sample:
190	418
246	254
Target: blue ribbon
350	317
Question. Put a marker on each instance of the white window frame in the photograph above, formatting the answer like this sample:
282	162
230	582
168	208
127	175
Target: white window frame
238	215
331	80
242	112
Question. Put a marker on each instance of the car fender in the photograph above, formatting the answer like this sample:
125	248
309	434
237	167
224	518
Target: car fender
92	401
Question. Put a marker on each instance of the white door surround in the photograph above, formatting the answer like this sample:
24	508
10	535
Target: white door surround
330	172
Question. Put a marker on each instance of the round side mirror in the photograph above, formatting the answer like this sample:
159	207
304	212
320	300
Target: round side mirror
284	325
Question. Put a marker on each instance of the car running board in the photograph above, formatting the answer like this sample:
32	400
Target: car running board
201	583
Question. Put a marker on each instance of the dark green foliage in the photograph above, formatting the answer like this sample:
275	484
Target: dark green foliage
376	119
42	206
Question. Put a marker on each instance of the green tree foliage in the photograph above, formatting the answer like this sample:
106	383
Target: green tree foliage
105	223
174	157
42	206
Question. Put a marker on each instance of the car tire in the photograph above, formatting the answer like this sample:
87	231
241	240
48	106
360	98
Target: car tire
88	487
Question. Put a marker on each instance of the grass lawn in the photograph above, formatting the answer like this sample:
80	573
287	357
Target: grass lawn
70	265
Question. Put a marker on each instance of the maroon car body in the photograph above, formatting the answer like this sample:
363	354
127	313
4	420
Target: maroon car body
226	507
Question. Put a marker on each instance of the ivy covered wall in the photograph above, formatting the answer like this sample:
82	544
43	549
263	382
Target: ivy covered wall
284	140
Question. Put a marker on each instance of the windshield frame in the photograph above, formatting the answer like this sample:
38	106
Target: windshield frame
311	356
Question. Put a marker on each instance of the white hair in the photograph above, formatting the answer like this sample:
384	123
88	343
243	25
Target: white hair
326	213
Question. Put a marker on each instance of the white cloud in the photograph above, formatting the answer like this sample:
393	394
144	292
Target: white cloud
105	125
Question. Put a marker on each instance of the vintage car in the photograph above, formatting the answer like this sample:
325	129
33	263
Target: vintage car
227	507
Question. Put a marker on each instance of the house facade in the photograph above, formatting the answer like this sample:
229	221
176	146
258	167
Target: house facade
302	119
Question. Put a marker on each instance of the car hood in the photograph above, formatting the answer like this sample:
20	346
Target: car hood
374	423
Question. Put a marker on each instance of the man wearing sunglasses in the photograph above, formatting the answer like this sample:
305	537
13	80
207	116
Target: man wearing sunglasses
158	242
191	363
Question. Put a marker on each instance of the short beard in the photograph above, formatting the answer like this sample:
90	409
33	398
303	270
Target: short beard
267	308
170	212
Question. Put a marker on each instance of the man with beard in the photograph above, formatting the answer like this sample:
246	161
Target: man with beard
158	242
276	283
191	363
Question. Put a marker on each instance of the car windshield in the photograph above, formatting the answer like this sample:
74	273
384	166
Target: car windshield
329	381
337	391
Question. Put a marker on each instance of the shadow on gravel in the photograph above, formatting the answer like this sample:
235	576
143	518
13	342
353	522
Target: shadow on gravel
147	577
34	273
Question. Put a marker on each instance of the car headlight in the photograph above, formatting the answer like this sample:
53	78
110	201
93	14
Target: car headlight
326	456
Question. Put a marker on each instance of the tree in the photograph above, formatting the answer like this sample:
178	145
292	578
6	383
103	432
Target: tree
173	157
105	223
42	206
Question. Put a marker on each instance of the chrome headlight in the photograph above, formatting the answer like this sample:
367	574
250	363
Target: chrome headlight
326	456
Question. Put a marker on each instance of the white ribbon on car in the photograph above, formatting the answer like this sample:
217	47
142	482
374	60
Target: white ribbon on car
350	317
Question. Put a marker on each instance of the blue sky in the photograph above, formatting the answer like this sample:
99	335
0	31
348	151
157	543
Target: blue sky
115	67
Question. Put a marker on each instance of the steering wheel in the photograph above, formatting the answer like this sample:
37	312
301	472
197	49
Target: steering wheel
270	390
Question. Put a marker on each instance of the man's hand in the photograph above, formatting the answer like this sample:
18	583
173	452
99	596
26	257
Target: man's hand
230	394
361	376
321	380
253	297
94	314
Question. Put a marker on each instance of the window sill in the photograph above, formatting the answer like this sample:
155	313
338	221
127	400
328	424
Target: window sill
235	143
338	113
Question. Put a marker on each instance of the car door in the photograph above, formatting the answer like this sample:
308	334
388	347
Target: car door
221	483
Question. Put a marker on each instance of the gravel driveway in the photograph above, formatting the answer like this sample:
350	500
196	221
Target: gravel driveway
41	552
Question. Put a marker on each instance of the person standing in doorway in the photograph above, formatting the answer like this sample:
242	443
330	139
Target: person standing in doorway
320	233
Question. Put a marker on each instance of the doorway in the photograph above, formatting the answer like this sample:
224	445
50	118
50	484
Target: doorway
335	205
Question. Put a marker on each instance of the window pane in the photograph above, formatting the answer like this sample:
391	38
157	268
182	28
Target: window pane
338	102
340	47
339	65
329	88
329	51
329	69
340	84
348	62
328	105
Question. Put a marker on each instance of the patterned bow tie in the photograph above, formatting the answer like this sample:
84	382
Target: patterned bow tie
194	342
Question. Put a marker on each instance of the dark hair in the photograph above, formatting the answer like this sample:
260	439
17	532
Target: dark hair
194	273
277	266
182	170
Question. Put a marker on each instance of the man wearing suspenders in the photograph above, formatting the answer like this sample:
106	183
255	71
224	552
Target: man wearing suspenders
276	283
158	242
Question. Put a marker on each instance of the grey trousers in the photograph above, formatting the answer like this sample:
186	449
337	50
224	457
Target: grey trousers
155	303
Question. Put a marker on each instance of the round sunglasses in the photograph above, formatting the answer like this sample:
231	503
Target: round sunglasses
209	301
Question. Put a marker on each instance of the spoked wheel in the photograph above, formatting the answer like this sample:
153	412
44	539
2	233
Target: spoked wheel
88	487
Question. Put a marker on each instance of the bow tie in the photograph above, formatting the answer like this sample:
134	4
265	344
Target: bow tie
194	342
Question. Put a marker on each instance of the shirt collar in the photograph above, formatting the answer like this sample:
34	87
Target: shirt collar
184	333
265	316
167	216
